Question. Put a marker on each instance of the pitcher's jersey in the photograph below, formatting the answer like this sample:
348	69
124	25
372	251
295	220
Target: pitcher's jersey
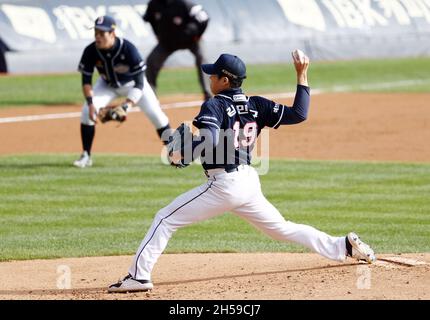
239	119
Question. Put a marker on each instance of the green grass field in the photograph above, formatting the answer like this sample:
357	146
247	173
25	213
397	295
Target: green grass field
395	75
51	209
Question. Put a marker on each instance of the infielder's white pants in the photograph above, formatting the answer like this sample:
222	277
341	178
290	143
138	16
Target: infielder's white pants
104	94
239	192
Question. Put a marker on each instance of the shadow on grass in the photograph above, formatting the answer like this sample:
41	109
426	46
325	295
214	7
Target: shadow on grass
36	165
100	165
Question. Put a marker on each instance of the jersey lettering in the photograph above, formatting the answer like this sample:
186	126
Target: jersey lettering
254	113
242	108
231	111
249	132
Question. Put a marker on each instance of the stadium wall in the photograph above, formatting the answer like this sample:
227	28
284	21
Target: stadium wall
49	36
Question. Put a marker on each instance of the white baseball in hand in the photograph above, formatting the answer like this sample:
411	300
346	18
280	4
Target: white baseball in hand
298	55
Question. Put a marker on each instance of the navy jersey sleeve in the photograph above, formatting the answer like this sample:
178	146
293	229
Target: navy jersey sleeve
210	115
87	63
136	63
269	112
272	114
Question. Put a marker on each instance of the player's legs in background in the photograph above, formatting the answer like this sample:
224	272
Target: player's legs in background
3	63
265	217
198	204
154	63
103	95
150	105
197	51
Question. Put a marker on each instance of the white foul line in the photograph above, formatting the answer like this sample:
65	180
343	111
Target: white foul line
66	115
41	117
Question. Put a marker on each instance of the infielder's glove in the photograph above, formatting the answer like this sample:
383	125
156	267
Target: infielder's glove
177	142
118	113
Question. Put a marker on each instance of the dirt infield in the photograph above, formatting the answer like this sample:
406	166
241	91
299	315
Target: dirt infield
382	127
274	276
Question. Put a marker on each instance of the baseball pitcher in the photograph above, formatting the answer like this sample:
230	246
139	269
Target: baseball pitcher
230	123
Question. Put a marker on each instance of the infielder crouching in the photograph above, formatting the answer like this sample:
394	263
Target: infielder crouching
232	122
122	73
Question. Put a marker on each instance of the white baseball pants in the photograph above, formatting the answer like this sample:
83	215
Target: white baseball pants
104	94
239	192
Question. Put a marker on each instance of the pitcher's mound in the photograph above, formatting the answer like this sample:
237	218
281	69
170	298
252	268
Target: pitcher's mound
221	276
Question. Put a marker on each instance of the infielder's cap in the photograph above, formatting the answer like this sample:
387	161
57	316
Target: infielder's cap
105	23
227	65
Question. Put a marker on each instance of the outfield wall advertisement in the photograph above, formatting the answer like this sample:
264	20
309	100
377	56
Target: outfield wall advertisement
45	36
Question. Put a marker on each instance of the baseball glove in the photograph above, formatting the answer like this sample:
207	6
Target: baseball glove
177	142
118	113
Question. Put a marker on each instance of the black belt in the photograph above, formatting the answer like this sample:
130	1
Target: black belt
228	170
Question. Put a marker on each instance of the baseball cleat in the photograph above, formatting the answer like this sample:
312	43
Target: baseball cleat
128	284
360	250
83	161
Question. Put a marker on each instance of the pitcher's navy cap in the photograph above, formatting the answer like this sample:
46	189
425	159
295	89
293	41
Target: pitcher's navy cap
105	23
228	65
